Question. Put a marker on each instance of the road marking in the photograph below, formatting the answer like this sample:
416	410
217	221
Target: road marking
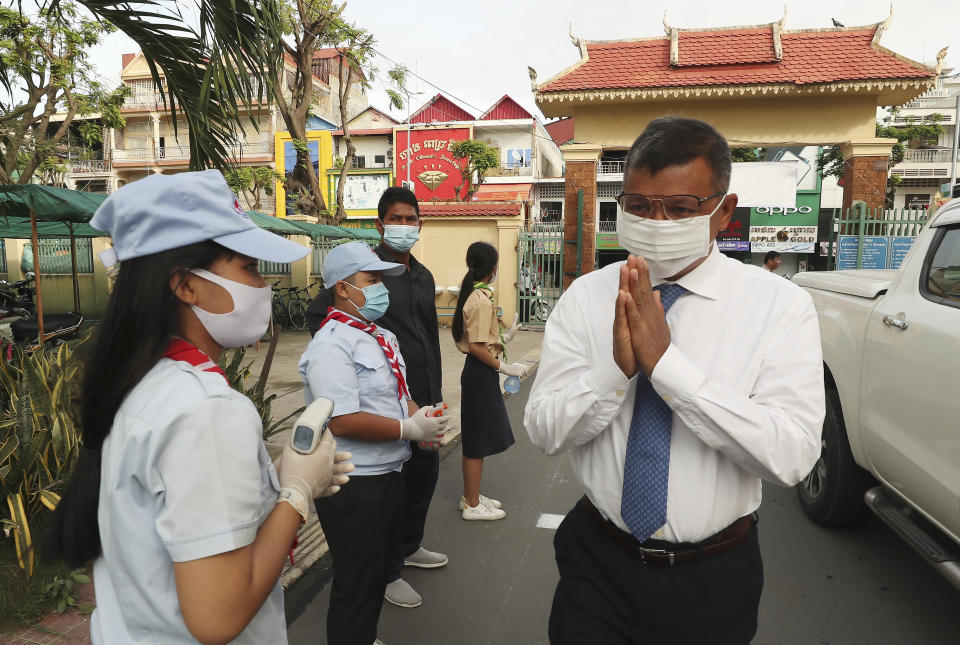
549	521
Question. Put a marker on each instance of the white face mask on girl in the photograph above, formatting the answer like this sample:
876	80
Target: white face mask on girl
249	319
668	246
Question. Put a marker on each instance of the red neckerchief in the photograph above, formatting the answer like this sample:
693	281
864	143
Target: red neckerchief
370	328
181	350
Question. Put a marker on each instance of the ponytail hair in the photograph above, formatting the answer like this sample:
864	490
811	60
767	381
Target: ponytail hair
141	318
481	262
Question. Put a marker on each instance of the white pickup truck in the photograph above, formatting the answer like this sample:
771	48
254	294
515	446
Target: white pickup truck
891	436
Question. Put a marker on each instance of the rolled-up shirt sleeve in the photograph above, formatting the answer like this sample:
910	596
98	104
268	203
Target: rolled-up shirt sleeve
774	431
575	395
207	471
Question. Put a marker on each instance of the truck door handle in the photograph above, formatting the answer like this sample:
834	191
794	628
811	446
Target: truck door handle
891	321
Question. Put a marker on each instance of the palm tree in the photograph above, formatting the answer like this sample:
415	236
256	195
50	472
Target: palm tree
230	59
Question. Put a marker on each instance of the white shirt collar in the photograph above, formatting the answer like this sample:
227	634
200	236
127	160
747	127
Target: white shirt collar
705	279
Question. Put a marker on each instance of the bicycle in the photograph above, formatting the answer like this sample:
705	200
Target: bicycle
300	299
278	302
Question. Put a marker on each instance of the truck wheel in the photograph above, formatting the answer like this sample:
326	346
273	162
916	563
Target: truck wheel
832	494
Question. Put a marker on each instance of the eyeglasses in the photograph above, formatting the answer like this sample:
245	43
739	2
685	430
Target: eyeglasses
673	206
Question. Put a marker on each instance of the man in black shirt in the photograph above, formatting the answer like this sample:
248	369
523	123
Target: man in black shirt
412	316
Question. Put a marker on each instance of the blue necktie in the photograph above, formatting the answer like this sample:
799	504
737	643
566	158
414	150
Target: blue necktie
646	468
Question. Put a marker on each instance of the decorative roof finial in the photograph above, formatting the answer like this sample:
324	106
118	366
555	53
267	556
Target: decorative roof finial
666	27
941	55
783	21
576	41
883	26
533	78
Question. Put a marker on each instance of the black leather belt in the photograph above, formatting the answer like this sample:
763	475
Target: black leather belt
665	554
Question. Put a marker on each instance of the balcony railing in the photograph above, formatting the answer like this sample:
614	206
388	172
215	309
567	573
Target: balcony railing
611	167
510	171
928	156
932	102
89	166
608	226
160	153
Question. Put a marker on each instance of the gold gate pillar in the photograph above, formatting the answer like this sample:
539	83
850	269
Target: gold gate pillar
865	171
581	161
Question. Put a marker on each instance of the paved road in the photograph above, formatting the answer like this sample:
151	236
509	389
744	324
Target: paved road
822	587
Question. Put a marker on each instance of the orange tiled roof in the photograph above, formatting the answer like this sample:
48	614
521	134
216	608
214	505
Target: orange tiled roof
469	209
742	56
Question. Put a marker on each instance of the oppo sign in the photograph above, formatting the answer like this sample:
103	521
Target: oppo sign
781	210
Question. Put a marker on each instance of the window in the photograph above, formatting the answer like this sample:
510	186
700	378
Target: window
551	212
380	161
915	201
608	211
943	269
359	161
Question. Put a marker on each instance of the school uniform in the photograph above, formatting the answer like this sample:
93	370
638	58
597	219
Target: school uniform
484	426
184	476
362	522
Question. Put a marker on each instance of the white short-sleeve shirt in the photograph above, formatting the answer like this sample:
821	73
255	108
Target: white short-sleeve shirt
184	476
348	366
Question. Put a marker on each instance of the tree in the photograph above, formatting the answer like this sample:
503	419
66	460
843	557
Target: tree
477	157
45	71
915	132
740	155
210	71
253	182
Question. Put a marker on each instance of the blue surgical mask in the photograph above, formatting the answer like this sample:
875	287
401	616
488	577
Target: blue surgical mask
378	300
401	238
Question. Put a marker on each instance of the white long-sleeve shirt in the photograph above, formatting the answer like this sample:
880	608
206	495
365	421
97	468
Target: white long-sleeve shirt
743	375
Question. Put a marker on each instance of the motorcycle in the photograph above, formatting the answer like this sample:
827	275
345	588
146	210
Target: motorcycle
19	324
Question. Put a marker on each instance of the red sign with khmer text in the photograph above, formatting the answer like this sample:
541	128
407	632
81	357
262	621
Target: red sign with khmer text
432	169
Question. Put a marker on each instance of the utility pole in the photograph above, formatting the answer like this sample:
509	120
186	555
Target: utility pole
956	145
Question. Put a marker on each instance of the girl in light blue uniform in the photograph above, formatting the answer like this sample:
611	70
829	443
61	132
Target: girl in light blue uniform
174	496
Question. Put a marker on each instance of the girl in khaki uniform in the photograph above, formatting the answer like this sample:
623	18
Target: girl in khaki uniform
484	425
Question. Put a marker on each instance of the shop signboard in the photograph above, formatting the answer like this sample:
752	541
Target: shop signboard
786	229
876	252
319	144
735	236
608	241
429	156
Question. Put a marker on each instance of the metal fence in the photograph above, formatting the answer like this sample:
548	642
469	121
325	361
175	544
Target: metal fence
872	231
274	268
321	246
55	255
540	279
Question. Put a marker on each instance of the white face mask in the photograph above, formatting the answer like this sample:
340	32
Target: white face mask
668	246
249	319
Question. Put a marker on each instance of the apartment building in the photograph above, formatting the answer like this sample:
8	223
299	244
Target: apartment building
927	170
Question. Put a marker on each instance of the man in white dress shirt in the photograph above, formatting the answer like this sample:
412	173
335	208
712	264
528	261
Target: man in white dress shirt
678	379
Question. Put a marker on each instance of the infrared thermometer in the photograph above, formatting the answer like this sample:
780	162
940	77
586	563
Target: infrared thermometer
310	426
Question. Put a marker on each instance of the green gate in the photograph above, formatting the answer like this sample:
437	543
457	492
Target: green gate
540	278
860	237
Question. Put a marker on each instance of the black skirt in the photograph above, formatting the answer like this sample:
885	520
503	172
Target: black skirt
484	427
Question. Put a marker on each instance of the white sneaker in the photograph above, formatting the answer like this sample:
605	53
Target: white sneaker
400	593
482	511
483	500
425	559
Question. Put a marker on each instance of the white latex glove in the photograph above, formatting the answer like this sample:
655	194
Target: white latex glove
306	477
508	334
513	369
421	427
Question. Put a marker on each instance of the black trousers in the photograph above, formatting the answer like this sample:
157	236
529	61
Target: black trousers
361	523
607	595
420	475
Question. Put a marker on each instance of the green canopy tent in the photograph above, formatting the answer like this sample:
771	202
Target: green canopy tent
48	205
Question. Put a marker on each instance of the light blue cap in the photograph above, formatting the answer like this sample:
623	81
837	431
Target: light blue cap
163	212
346	259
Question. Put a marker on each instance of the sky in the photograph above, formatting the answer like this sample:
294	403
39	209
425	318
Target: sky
477	52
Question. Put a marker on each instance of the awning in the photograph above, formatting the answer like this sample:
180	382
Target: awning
284	226
49	203
502	193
